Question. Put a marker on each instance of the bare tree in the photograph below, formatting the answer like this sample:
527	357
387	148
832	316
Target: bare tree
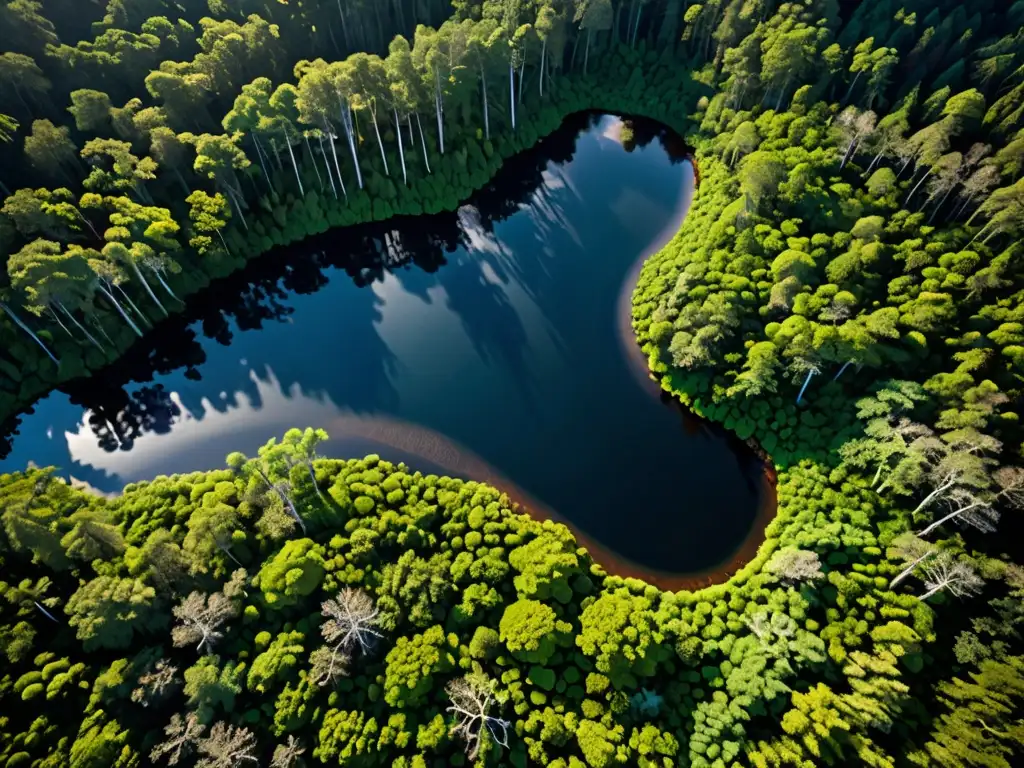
912	551
352	619
955	576
156	682
226	747
287	755
978	509
201	618
964	466
793	565
182	734
471	700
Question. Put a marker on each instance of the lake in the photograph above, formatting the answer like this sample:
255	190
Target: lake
491	344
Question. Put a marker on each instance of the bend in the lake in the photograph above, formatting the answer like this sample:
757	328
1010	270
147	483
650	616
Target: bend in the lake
490	343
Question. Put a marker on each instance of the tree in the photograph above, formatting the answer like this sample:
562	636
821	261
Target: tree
593	16
183	734
209	215
218	158
22	79
945	573
289	754
283	118
227	746
92	537
108	611
49	149
201	617
267	468
911	551
352	622
471	701
792	565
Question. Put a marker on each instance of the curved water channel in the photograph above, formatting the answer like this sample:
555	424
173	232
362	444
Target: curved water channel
485	344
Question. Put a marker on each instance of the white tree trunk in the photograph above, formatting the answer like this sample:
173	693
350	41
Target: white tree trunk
166	287
439	109
916	187
543	62
119	308
937	492
295	165
586	55
346	121
810	375
81	327
145	284
487	111
380	142
423	142
512	94
17	321
636	26
312	157
401	149
910	568
259	154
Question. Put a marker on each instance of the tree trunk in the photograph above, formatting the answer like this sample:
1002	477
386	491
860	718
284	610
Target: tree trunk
45	612
522	69
401	149
845	366
850	89
875	160
312	157
295	165
916	187
88	335
423	142
312	476
133	307
543	60
166	287
99	326
799	397
782	93
512	94
346	121
636	26
951	516
119	308
487	111
337	167
910	568
439	109
586	54
412	138
61	324
931	496
942	202
284	499
380	142
145	284
344	27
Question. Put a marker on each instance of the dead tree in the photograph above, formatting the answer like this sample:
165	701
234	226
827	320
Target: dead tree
227	747
956	576
155	683
287	755
183	735
471	700
351	626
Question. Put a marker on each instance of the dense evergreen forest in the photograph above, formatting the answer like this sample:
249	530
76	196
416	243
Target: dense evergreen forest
846	291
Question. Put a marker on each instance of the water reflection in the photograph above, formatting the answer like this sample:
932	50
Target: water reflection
490	329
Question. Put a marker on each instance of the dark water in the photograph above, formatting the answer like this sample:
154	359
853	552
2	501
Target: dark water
485	342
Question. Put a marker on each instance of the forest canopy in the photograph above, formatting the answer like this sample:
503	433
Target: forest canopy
846	292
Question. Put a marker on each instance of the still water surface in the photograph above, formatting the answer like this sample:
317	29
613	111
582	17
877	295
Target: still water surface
485	343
